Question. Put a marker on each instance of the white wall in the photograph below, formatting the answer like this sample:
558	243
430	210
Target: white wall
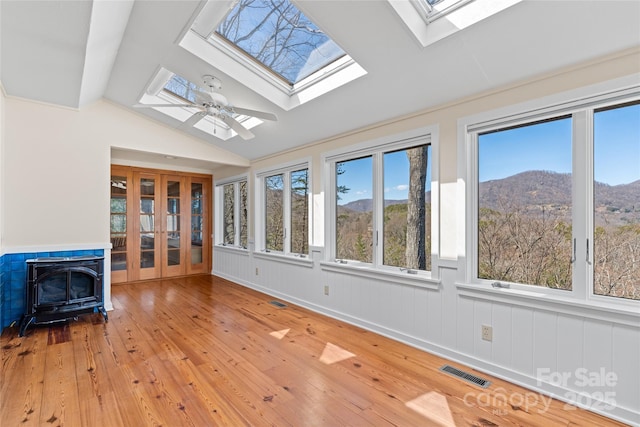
2	132
56	172
447	320
57	164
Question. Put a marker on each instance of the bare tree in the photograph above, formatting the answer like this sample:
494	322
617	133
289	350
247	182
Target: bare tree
415	253
274	32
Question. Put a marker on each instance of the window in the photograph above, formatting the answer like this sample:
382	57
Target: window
354	209
525	205
616	201
432	9
554	199
272	47
300	211
182	87
274	212
381	206
280	37
433	20
231	199
285	210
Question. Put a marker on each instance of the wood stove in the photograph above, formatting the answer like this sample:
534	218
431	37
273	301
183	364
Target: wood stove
62	288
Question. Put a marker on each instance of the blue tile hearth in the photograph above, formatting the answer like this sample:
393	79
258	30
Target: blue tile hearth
13	279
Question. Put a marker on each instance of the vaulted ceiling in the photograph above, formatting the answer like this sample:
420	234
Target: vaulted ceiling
73	53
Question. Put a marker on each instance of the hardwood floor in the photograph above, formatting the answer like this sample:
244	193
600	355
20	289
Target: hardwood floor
202	351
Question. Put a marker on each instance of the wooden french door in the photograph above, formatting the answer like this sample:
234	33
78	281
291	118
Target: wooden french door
168	225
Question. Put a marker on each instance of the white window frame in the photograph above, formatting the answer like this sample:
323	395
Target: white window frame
219	211
201	41
581	104
260	209
429	24
377	148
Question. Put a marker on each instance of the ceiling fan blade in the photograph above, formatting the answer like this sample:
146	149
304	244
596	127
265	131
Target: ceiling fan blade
235	125
195	118
163	105
254	113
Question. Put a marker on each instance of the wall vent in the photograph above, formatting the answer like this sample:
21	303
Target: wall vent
277	304
465	376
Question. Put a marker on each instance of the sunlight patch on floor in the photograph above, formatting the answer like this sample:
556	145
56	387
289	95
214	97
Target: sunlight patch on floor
332	354
279	334
433	406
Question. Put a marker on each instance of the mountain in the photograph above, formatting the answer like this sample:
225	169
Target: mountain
554	190
366	205
617	204
527	188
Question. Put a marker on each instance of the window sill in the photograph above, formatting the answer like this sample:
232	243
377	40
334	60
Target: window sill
287	259
615	313
234	249
420	280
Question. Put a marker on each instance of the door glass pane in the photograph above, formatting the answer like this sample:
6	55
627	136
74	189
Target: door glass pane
354	216
118	223
196	198
173	257
118	242
616	192
147	223
147	259
118	204
147	208
147	241
196	255
173	188
173	223
525	203
407	208
147	187
274	230
173	205
196	222
118	261
118	186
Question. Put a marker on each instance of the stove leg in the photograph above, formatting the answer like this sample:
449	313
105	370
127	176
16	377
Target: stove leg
24	324
104	313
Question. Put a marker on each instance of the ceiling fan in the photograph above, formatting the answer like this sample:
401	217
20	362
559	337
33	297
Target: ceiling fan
213	103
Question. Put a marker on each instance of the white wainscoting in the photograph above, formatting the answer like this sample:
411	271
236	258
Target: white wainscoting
530	345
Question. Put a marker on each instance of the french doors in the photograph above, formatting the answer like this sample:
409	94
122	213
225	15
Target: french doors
160	224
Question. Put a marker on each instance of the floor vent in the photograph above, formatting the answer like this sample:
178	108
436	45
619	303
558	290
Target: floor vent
277	304
465	376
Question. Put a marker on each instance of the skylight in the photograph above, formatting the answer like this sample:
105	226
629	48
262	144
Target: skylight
433	20
434	9
279	36
182	87
271	47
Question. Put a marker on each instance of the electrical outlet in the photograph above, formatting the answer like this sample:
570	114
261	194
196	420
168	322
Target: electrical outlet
326	289
487	333
256	271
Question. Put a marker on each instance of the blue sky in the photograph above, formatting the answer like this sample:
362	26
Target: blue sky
545	146
357	177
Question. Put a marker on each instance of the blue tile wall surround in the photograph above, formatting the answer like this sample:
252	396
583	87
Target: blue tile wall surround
13	279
